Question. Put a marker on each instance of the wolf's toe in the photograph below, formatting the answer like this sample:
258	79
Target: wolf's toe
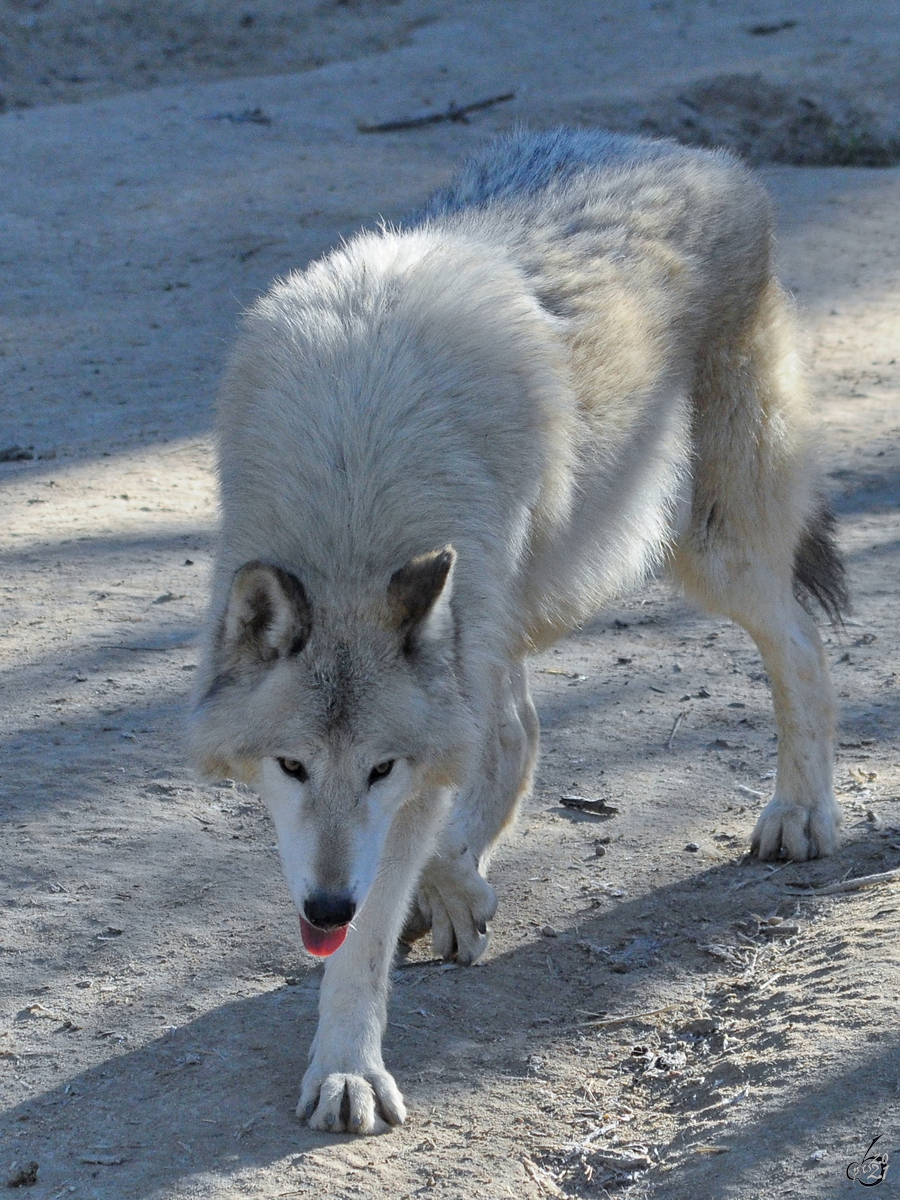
795	831
349	1103
456	902
418	922
459	922
458	936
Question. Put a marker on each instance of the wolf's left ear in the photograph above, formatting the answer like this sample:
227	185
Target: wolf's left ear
419	595
268	614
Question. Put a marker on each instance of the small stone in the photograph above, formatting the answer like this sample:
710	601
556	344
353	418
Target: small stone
693	847
26	1176
548	931
599	849
16	454
671	1060
700	1026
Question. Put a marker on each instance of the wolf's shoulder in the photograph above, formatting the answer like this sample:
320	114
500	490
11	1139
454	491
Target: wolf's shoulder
522	164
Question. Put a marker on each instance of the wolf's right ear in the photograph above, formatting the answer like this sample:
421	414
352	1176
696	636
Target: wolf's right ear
419	595
268	614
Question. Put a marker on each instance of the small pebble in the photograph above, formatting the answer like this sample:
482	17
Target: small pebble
26	1176
700	1026
548	931
693	847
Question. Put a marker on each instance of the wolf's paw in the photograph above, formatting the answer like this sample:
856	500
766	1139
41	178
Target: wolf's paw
456	903
341	1102
796	831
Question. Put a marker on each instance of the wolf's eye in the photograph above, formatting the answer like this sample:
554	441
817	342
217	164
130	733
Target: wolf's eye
381	771
294	768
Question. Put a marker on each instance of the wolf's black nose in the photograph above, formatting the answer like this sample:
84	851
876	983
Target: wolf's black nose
329	910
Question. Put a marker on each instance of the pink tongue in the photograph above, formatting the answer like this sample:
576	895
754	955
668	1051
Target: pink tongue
321	942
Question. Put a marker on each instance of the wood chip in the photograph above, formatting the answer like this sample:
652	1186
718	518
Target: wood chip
598	808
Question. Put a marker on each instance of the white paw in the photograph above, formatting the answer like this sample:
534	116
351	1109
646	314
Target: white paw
796	831
456	902
364	1102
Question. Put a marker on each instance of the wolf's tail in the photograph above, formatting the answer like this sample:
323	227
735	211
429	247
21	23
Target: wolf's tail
819	573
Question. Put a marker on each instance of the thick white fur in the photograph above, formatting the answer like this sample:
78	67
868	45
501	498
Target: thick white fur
569	384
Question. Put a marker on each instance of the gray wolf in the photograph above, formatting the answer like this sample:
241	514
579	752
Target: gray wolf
440	448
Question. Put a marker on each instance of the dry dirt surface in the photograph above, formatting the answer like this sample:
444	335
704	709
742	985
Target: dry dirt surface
657	1016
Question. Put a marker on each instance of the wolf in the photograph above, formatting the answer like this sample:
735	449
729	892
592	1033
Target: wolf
441	447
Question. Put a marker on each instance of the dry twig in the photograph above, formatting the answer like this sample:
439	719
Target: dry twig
542	1178
851	885
675	727
624	1018
453	112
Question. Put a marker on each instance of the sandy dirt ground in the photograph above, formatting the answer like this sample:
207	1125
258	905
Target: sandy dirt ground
657	1016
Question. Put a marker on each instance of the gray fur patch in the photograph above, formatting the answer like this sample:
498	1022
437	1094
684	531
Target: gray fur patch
338	684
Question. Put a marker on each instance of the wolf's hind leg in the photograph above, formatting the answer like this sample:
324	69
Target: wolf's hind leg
758	536
802	819
454	899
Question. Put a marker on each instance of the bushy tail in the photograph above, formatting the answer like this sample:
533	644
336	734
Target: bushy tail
819	573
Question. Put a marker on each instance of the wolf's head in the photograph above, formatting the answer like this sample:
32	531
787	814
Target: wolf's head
340	715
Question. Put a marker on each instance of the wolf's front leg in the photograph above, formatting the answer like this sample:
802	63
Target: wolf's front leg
346	1088
454	899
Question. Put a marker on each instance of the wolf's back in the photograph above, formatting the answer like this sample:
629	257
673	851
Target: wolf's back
522	164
